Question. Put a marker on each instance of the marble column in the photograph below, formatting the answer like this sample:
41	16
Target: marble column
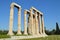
11	21
36	24
19	21
29	26
25	22
40	26
31	22
43	31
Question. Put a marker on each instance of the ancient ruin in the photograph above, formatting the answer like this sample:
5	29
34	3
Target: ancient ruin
34	25
35	22
11	18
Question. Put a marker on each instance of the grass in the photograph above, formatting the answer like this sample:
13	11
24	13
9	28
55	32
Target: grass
51	37
4	36
20	35
8	36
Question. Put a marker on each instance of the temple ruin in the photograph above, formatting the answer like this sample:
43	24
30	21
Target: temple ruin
34	25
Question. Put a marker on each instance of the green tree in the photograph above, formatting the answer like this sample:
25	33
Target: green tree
57	29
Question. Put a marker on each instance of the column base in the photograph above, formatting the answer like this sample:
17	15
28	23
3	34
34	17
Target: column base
25	34
37	34
29	33
10	33
18	33
44	33
40	32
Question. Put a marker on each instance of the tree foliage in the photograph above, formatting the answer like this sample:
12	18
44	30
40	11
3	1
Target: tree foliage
54	31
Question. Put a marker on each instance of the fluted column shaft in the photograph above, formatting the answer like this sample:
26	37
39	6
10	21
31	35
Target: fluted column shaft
43	31
29	26
19	21
40	26
11	21
36	24
25	22
31	18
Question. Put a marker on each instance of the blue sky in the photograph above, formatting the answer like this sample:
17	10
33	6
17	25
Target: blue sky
50	9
